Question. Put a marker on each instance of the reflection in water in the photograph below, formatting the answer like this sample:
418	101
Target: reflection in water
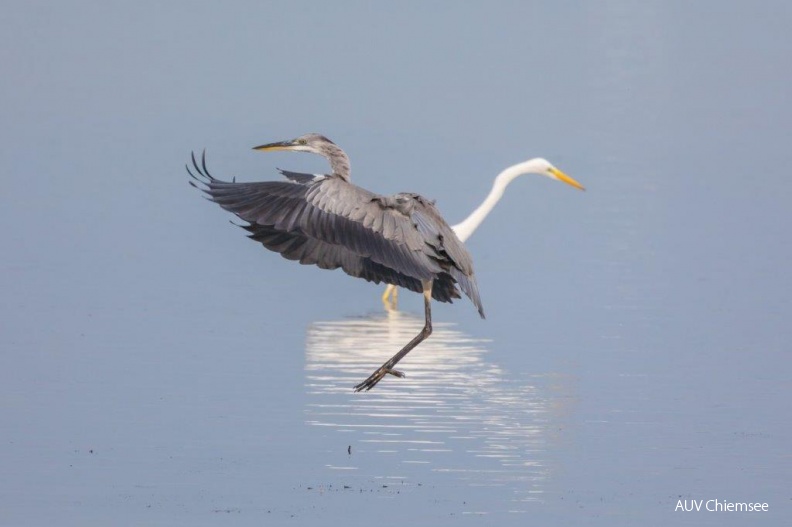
455	412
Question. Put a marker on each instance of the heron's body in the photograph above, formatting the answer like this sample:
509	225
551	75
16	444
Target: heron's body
329	222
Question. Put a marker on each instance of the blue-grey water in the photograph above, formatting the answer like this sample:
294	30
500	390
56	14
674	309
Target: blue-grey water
157	368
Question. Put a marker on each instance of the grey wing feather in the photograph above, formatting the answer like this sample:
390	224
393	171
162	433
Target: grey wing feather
309	251
438	233
331	223
299	177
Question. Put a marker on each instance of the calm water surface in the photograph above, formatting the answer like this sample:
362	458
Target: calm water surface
157	368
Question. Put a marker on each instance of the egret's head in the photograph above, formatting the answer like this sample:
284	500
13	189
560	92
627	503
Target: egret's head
314	143
546	168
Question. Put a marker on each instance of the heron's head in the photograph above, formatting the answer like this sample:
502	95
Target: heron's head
544	167
313	143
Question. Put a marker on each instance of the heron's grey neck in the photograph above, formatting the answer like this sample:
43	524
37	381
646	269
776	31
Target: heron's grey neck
339	161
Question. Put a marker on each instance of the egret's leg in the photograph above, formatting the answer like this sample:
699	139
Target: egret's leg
386	294
387	368
390	291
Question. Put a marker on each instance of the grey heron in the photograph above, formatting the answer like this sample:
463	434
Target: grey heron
464	229
327	221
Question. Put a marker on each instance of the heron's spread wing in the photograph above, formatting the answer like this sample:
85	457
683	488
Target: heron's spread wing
331	223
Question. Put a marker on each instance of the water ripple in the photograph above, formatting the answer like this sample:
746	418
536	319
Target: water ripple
455	412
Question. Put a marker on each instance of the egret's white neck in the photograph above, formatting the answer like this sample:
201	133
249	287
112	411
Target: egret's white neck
464	229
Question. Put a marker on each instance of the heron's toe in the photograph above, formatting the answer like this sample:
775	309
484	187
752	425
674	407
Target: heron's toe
376	377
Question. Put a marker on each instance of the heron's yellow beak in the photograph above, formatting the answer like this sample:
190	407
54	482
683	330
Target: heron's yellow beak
566	179
271	147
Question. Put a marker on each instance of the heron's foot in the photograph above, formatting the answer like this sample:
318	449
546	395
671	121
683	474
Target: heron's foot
376	377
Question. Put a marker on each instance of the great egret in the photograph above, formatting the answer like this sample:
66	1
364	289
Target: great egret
327	221
469	225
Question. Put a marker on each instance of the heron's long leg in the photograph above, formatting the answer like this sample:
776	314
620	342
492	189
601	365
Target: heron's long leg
386	368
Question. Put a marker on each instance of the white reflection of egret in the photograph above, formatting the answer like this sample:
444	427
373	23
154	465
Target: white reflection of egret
455	412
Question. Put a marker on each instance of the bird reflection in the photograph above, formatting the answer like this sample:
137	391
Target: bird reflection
455	412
